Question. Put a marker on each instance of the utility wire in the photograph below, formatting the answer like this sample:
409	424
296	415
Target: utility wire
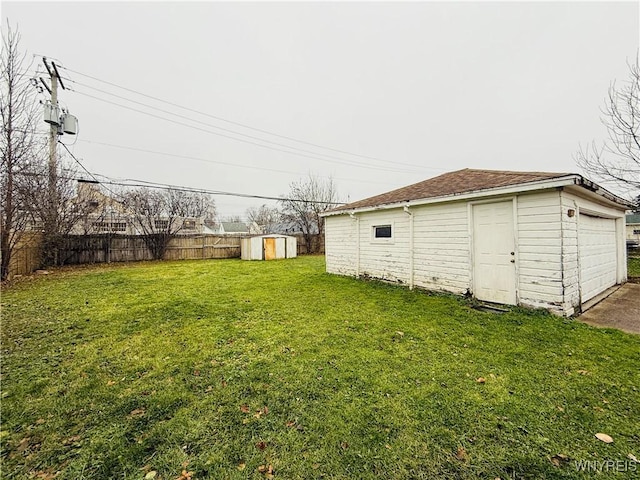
216	162
237	123
184	117
237	139
87	171
179	188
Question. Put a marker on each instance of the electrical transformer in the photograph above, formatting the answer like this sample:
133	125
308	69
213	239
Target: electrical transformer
51	114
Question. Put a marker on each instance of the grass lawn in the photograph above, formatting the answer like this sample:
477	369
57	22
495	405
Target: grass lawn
633	266
229	369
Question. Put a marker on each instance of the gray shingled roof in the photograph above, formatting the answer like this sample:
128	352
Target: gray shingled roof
453	183
234	227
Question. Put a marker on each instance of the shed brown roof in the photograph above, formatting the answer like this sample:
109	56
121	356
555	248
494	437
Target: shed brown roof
453	183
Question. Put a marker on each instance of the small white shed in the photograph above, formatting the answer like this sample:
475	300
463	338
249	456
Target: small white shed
268	247
549	240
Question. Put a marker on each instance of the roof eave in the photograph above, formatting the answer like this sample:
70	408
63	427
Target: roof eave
564	181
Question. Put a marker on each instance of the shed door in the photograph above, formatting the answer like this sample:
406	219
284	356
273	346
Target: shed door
598	255
494	273
269	248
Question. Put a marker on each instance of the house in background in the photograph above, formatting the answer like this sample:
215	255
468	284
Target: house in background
108	215
237	228
548	240
633	230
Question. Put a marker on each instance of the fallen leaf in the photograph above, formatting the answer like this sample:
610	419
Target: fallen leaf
481	380
604	437
261	445
40	421
152	474
461	454
71	440
290	424
244	408
138	412
344	445
558	459
185	475
23	445
583	372
196	373
241	466
224	384
45	475
387	446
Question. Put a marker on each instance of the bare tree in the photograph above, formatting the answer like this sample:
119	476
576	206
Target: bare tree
20	144
160	215
306	200
265	217
618	160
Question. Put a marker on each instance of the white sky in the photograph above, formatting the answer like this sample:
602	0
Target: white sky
426	87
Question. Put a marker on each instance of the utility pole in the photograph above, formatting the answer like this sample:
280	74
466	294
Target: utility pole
57	127
53	161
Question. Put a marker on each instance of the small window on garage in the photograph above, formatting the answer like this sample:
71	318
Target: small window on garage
636	231
382	231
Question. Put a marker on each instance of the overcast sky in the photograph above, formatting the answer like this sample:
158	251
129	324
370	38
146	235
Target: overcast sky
409	90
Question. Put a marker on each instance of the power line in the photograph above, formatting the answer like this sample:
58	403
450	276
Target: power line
339	162
179	188
87	171
237	123
215	162
184	117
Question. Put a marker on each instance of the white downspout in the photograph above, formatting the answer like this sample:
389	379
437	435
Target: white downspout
411	247
357	219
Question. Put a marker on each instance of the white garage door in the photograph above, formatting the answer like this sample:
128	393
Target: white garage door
598	256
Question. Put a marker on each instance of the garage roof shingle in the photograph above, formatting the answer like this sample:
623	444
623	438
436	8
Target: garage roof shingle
453	183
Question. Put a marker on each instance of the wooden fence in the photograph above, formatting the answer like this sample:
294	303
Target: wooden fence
105	248
26	255
79	249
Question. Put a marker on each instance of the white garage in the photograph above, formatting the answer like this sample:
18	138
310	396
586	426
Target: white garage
598	261
537	239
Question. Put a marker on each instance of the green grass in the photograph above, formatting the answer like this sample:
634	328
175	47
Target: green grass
633	266
113	372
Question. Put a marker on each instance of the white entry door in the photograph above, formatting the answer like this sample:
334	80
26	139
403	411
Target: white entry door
494	272
598	255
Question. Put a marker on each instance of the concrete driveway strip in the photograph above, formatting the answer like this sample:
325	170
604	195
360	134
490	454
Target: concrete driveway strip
619	310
